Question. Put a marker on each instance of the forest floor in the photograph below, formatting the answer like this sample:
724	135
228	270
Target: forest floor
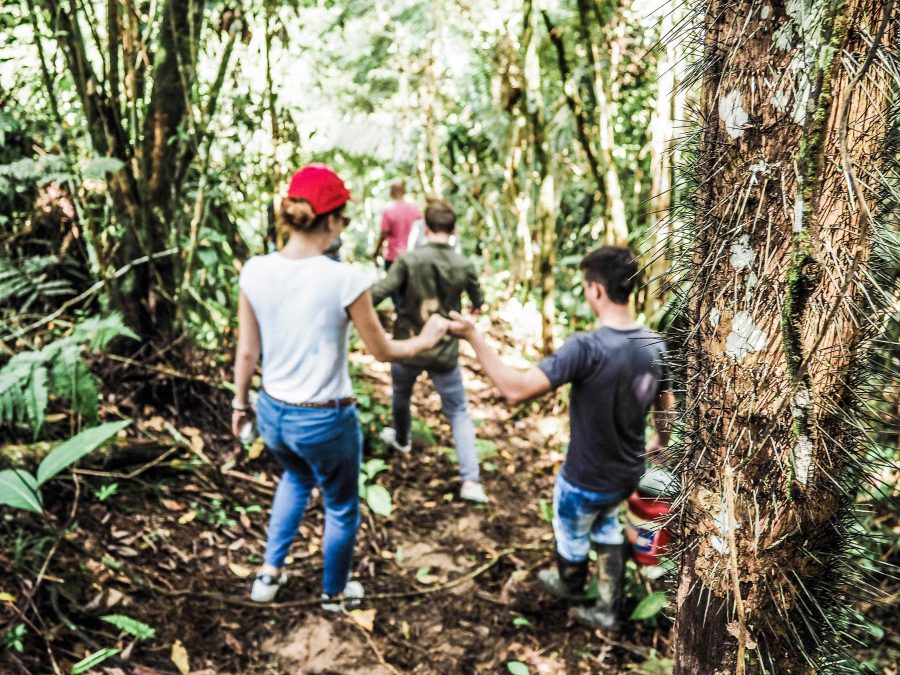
451	585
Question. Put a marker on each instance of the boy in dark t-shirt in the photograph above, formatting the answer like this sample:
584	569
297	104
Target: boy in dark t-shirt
617	376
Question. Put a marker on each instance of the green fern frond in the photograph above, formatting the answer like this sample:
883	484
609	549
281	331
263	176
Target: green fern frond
25	282
73	381
99	332
29	378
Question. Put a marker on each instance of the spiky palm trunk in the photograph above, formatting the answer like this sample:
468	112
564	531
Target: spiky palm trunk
793	148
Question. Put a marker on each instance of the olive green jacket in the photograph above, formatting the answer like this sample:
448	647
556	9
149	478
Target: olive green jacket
430	280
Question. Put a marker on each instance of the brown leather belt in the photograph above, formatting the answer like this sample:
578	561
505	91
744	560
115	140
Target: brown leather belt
334	403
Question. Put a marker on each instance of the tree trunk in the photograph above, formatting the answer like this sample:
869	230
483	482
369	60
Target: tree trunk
149	138
541	180
604	108
794	113
662	133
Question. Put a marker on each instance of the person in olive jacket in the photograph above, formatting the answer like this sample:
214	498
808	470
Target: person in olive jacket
432	279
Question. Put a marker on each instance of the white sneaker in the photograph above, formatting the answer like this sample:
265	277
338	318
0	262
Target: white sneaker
389	436
473	492
265	586
352	594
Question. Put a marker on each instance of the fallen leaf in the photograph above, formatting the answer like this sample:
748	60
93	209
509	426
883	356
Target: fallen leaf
144	670
245	521
235	545
6	597
256	449
404	630
197	444
240	570
734	629
113	598
172	505
187	517
365	618
180	658
155	423
234	643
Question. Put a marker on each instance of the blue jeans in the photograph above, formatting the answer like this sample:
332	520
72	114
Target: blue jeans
582	516
450	388
315	446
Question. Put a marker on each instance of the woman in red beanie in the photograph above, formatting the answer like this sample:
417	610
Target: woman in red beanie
296	306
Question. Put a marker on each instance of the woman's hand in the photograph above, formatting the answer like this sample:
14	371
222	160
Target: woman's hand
461	326
434	329
238	419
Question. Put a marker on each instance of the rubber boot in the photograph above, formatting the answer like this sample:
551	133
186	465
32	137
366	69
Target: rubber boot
610	578
566	581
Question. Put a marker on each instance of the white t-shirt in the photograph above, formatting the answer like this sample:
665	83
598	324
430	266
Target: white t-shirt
301	307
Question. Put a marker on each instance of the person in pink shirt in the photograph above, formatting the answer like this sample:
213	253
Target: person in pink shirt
396	223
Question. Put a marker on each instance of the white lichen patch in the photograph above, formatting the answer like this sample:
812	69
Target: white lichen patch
759	167
733	115
765	12
744	338
780	101
802	398
742	255
721	521
714	316
752	281
783	38
801	103
800	403
803	459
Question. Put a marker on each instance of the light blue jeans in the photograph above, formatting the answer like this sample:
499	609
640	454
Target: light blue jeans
450	388
315	446
582	516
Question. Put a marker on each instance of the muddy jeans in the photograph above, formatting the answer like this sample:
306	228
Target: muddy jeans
315	446
581	516
450	388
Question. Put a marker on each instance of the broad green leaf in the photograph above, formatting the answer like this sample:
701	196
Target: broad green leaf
374	466
36	398
93	660
486	448
517	668
77	447
131	626
379	500
19	489
650	606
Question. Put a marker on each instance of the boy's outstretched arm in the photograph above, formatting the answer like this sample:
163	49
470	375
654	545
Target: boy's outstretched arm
514	384
473	289
391	282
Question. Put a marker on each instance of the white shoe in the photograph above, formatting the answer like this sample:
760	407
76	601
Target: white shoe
389	436
353	593
473	492
265	586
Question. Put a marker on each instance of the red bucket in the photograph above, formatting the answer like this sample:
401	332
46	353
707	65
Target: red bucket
648	512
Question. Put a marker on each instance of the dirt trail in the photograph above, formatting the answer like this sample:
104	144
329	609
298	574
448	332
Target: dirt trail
193	529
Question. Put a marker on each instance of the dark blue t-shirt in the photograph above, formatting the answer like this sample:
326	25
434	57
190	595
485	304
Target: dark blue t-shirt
616	376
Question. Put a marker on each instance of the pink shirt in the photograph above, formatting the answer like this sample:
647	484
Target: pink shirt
396	223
